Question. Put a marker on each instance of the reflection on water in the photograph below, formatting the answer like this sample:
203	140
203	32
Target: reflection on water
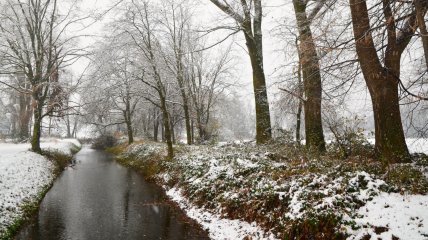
99	199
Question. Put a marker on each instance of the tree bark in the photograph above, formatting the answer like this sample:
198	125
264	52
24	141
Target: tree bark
390	141
263	125
382	83
155	126
180	80
24	116
311	81
420	13
68	126
187	120
300	106
167	128
129	130
193	132
37	128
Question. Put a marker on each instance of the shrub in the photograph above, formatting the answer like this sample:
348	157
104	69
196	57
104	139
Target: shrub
104	141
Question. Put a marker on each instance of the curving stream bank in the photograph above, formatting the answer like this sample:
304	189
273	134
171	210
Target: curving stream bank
99	199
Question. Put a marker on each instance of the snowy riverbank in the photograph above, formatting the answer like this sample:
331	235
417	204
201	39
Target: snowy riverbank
241	190
24	176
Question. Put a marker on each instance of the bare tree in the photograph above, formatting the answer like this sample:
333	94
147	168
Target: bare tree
311	74
381	71
176	19
34	45
251	25
141	29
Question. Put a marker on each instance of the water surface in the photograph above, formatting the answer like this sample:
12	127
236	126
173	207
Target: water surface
99	199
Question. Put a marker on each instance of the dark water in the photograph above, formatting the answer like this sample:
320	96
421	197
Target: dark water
99	199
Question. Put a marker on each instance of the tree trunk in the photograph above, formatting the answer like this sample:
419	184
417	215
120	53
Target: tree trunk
37	127
420	13
201	127
24	124
50	126
24	116
298	121
167	129
263	125
251	25
172	127
382	83
300	106
187	120
180	80
74	132
68	125
390	141
311	81
129	130
155	128
193	132
163	131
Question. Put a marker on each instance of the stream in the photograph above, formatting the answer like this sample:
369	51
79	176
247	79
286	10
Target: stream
99	199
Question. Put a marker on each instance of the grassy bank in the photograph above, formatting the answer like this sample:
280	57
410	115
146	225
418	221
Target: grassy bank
284	190
147	159
30	205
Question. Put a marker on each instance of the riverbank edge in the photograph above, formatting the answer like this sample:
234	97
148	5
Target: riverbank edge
148	171
31	206
153	167
149	158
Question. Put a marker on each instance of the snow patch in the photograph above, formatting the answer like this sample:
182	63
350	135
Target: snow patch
218	228
402	216
23	175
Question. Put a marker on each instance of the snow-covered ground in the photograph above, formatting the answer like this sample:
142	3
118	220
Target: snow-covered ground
244	175
23	175
218	227
393	214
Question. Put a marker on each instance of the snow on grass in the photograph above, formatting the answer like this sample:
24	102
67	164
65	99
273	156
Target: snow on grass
62	145
23	176
283	193
218	227
402	216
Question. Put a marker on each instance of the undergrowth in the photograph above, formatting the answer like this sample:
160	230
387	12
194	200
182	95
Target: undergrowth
145	158
294	194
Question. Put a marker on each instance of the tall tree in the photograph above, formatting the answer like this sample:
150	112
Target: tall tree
177	20
251	25
33	46
206	79
381	70
311	75
142	29
36	45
